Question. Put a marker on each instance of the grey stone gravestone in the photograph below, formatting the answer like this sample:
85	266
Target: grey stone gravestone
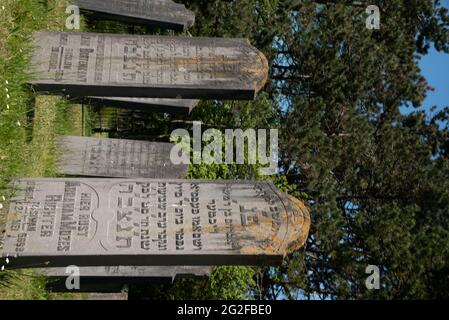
91	64
173	106
113	279
82	156
108	296
116	158
160	13
137	222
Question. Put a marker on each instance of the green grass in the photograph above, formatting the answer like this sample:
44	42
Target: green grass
28	123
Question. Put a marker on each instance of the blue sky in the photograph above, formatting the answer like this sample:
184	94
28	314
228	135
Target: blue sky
435	68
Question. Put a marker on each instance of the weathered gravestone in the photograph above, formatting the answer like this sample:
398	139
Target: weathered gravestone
136	222
116	158
108	296
82	156
173	106
90	64
113	279
159	13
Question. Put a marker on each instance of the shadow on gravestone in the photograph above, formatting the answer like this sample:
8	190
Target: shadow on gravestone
90	64
116	158
172	106
150	222
113	279
157	13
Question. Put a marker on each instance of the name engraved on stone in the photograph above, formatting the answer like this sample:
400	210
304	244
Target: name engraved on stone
116	158
90	64
137	222
173	106
160	13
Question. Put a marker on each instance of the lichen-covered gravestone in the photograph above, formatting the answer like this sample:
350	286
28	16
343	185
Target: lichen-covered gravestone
138	222
93	64
116	158
159	13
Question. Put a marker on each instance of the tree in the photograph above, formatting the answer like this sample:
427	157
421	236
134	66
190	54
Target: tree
377	179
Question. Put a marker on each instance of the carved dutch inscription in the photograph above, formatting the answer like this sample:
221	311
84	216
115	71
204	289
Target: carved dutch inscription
90	64
94	222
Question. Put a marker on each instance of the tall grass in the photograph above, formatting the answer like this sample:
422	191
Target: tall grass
28	123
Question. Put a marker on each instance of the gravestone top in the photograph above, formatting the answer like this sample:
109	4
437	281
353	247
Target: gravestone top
93	64
178	106
162	13
170	272
108	296
113	279
116	158
136	222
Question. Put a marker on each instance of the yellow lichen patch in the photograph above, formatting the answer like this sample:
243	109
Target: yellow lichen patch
261	72
301	222
295	226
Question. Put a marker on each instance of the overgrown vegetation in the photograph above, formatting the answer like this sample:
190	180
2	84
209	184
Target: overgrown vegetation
377	180
28	123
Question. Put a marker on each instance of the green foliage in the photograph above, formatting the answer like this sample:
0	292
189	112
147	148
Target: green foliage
225	283
23	149
377	180
231	283
15	28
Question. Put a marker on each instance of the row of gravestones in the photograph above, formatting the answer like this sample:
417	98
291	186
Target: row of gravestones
124	213
98	222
